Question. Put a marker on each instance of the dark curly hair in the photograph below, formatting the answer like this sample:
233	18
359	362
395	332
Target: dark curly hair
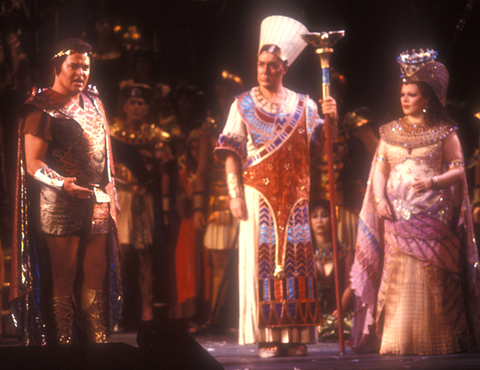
436	113
323	203
76	45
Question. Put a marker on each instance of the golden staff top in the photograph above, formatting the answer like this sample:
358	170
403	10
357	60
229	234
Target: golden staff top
323	42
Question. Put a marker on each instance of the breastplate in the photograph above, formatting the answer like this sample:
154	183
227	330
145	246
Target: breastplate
77	148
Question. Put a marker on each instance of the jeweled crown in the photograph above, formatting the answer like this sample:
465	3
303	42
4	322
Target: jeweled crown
411	62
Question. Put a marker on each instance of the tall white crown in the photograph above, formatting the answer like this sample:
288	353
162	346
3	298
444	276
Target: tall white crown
285	33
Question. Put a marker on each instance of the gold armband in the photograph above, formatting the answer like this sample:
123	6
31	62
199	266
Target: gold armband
457	163
235	190
381	158
434	181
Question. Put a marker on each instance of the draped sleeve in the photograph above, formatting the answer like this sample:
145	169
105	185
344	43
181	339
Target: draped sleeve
233	139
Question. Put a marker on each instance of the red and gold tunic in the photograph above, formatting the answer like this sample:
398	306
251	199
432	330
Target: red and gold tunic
277	273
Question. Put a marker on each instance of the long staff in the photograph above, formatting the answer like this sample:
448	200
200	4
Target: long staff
323	43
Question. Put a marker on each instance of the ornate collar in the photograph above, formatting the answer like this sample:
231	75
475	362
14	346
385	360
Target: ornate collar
400	133
262	102
146	134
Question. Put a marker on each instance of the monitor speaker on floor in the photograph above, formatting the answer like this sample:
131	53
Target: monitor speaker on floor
161	346
168	345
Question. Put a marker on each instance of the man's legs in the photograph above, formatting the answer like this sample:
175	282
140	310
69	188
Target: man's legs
63	252
93	296
95	262
64	259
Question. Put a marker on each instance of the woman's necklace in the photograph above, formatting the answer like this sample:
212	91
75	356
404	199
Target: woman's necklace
324	252
411	136
412	127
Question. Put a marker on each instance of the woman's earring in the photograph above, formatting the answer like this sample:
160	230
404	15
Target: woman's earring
424	110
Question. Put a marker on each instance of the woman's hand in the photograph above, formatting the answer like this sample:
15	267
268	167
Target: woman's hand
422	184
383	209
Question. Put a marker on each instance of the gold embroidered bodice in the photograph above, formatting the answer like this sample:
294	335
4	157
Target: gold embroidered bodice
413	153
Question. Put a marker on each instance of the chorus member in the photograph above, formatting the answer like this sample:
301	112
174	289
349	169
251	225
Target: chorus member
136	142
321	224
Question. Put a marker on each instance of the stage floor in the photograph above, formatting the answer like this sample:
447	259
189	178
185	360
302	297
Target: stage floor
225	350
231	356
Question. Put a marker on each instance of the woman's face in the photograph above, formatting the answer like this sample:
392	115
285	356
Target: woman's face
412	100
320	221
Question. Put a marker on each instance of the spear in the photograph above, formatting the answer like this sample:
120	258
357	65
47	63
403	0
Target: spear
323	42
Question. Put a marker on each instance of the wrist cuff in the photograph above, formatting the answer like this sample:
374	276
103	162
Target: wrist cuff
234	188
49	177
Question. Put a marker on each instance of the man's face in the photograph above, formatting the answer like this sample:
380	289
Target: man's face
73	76
270	70
135	109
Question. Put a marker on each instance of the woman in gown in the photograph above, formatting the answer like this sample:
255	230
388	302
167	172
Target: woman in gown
320	224
416	273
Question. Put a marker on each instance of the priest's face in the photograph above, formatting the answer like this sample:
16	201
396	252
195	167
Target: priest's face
270	70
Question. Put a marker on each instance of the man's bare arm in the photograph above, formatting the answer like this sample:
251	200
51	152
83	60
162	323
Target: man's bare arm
35	150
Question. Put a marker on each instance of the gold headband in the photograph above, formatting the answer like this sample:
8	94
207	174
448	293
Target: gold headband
68	52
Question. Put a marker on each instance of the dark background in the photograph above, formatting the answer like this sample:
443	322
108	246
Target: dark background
198	39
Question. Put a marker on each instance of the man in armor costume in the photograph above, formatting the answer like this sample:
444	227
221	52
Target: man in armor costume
65	251
266	145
